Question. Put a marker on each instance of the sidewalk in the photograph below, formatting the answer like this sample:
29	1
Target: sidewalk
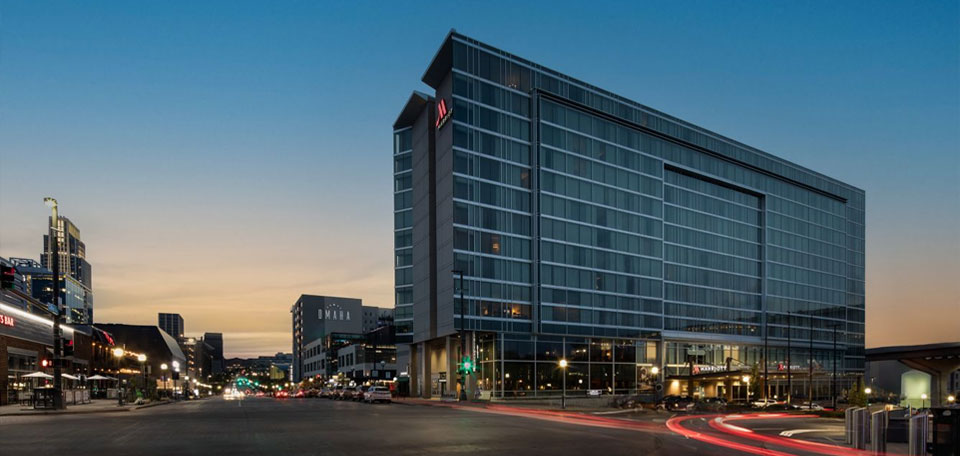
95	406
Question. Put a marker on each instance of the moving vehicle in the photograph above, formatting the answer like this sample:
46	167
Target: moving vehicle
377	394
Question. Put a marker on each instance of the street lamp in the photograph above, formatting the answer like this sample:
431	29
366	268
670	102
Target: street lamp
746	379
563	395
923	397
57	332
143	373
118	353
163	375
951	398
868	390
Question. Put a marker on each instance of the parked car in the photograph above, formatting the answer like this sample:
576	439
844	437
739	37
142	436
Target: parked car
300	394
358	393
676	404
377	394
345	393
806	406
713	404
763	403
337	392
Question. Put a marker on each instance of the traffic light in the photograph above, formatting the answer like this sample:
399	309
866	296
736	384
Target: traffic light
466	366
8	275
68	348
45	363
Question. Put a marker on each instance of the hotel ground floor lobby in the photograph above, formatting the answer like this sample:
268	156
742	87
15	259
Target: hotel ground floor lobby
507	365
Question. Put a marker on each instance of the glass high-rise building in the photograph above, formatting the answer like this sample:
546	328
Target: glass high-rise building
172	324
650	253
76	273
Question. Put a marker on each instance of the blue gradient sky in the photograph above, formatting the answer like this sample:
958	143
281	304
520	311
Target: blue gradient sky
222	158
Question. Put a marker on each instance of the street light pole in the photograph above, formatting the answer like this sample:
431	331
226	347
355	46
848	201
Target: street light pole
563	395
57	332
143	372
833	384
789	376
163	376
810	365
118	353
463	344
766	362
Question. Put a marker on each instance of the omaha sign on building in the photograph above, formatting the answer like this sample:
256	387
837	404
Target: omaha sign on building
317	317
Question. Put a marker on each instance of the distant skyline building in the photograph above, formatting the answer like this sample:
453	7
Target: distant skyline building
73	265
591	228
172	323
215	341
319	322
37	281
376	317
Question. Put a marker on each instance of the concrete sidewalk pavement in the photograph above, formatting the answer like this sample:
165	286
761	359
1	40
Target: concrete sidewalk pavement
95	406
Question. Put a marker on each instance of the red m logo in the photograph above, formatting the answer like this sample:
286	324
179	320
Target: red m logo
443	114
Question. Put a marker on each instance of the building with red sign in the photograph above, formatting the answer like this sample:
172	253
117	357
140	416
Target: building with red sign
591	228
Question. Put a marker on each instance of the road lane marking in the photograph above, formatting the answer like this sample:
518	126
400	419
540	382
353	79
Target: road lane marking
793	432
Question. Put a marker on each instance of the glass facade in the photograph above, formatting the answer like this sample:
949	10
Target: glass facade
588	225
403	232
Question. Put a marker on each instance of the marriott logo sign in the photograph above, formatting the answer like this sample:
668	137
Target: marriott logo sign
443	113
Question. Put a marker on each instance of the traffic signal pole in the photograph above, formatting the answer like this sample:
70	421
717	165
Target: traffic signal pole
57	333
463	346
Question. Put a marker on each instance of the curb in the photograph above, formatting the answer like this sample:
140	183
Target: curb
153	404
67	412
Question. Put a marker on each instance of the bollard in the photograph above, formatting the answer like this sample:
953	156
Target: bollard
878	431
848	415
860	428
917	435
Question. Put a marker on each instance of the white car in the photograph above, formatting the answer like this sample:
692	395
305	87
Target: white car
763	403
377	394
806	406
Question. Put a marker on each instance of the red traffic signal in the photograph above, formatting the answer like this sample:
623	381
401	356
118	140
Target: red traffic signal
8	276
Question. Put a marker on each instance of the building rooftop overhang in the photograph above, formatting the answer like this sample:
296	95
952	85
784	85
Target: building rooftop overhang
441	63
411	110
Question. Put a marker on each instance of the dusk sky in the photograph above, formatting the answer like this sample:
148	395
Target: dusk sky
222	158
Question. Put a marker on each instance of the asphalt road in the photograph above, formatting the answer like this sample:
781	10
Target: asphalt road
265	426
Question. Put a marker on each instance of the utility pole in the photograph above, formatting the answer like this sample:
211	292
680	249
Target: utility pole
57	332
